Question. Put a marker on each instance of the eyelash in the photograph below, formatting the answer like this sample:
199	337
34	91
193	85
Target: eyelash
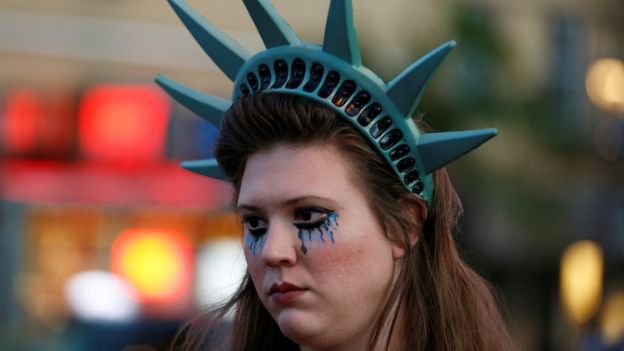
299	213
257	232
324	216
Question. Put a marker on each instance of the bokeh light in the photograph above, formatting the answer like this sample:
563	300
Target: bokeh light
220	269
123	123
101	296
22	114
612	318
605	84
581	280
157	262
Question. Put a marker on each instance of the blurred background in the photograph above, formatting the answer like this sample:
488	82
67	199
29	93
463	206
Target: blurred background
106	245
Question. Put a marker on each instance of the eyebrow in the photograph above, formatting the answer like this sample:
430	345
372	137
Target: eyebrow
289	202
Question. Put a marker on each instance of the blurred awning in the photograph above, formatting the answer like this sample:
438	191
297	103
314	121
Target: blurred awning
162	184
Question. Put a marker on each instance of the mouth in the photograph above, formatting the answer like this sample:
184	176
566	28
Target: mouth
285	292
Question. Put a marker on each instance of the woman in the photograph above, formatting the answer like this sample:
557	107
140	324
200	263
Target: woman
347	224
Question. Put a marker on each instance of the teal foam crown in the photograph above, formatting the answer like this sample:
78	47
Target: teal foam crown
331	74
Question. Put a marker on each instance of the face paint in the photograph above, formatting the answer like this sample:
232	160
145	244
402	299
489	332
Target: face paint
254	242
317	232
255	232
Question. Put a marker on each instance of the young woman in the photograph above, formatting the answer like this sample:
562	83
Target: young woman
348	214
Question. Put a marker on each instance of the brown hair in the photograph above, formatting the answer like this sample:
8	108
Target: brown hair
445	305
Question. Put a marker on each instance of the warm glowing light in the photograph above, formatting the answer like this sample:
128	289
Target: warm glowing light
581	279
612	319
123	123
33	124
22	115
605	84
156	262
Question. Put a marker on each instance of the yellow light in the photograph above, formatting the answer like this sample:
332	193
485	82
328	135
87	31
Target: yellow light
155	261
604	83
581	280
612	319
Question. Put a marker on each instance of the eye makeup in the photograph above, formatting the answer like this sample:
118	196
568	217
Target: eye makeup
255	232
313	224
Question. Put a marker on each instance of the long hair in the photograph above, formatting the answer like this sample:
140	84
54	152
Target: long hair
444	304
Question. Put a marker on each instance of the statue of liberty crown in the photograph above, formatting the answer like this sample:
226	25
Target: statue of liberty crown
333	75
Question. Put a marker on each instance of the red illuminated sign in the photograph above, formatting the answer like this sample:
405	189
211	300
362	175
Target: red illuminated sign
33	124
23	113
124	124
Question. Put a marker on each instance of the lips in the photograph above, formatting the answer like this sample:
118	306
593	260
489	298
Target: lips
285	292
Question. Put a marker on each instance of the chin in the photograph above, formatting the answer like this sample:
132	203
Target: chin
298	326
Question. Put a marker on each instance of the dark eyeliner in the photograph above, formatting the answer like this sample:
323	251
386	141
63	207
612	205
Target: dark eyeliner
313	209
312	225
309	226
257	232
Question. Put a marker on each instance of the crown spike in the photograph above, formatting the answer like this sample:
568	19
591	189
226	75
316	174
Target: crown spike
208	107
438	149
340	38
272	27
223	50
208	167
406	89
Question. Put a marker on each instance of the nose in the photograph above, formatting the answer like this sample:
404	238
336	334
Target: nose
280	247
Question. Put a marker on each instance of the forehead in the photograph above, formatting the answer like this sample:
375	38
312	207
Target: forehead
285	172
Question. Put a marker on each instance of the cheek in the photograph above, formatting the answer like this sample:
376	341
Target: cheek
362	254
360	259
254	266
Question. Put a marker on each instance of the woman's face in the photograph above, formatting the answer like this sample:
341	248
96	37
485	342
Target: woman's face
316	253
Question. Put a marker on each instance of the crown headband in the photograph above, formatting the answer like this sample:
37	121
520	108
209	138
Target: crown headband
333	75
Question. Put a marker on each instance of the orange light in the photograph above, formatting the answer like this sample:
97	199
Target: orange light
157	262
612	319
581	274
125	124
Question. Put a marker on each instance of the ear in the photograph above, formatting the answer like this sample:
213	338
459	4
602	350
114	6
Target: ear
414	210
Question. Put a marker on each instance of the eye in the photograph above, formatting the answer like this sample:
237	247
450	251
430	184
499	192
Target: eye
256	226
311	217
